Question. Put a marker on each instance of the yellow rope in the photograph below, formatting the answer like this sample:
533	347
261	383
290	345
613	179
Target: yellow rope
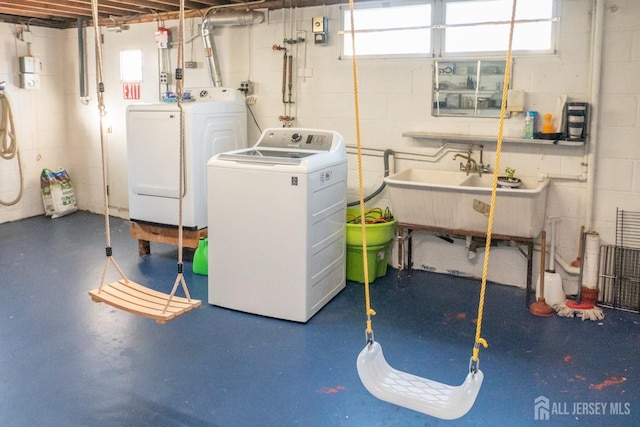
485	267
365	262
479	341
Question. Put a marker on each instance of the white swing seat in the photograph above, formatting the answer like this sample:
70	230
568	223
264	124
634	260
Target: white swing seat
137	299
420	394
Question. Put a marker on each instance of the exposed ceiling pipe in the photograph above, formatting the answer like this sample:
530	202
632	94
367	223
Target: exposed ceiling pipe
230	18
82	74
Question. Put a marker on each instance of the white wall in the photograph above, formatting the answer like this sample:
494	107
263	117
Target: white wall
395	97
39	118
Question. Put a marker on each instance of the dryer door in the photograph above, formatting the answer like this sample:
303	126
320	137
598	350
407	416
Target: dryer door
153	141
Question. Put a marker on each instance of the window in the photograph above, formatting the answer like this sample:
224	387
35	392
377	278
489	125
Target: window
131	65
389	30
450	28
483	26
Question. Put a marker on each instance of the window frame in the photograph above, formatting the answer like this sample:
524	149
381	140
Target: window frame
344	13
438	27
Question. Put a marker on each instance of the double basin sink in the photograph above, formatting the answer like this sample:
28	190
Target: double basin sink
457	201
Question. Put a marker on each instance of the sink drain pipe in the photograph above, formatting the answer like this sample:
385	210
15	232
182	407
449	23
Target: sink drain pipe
387	153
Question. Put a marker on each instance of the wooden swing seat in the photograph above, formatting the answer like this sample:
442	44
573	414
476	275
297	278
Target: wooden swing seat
137	299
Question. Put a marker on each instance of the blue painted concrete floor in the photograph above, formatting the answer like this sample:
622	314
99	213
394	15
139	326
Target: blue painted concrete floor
66	360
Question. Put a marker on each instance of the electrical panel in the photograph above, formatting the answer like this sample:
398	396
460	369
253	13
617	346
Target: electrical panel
29	64
163	38
29	77
320	29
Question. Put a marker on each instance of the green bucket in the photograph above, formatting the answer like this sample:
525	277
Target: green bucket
379	236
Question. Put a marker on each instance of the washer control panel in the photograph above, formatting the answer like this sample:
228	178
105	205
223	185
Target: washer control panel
303	139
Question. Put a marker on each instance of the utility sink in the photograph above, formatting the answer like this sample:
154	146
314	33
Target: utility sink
486	181
457	201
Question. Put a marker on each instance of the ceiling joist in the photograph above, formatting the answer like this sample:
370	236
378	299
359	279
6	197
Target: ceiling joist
66	13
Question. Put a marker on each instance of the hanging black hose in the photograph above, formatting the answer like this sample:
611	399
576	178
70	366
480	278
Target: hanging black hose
388	152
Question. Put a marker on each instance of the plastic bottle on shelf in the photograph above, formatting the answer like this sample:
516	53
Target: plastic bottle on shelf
534	114
527	131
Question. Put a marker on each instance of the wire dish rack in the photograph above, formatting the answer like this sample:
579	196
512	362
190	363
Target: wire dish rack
619	265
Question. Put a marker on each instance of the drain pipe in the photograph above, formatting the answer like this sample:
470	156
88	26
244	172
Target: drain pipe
230	18
82	74
594	98
388	152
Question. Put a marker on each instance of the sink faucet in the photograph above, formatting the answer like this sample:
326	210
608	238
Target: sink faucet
470	166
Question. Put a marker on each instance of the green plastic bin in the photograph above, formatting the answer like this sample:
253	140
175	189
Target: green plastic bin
379	237
377	257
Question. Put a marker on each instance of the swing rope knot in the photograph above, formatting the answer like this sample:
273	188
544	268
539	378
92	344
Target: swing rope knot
476	348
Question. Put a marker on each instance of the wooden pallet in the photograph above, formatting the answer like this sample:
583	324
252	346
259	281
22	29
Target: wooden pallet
146	233
137	299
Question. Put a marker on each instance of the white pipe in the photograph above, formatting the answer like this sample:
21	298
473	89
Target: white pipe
592	249
471	250
594	100
418	156
581	177
566	266
552	262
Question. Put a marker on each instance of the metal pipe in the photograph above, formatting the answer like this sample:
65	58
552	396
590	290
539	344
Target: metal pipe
284	77
82	75
409	155
248	17
290	77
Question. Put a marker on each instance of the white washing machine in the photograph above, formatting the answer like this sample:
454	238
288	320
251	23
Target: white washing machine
216	121
277	224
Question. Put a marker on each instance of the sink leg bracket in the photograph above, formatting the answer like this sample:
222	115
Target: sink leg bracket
405	263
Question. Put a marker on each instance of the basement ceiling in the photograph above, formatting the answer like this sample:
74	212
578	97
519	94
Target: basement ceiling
67	13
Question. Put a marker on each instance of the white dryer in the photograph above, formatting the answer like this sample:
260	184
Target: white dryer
277	224
215	122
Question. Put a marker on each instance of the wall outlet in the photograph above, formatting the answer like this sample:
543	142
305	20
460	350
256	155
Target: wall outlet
165	78
247	87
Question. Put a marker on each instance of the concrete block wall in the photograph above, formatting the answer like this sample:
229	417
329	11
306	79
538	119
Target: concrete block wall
39	115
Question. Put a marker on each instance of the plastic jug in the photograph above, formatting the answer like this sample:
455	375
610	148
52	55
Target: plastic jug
201	258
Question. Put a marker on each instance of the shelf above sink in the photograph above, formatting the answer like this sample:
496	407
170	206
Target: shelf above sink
487	139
